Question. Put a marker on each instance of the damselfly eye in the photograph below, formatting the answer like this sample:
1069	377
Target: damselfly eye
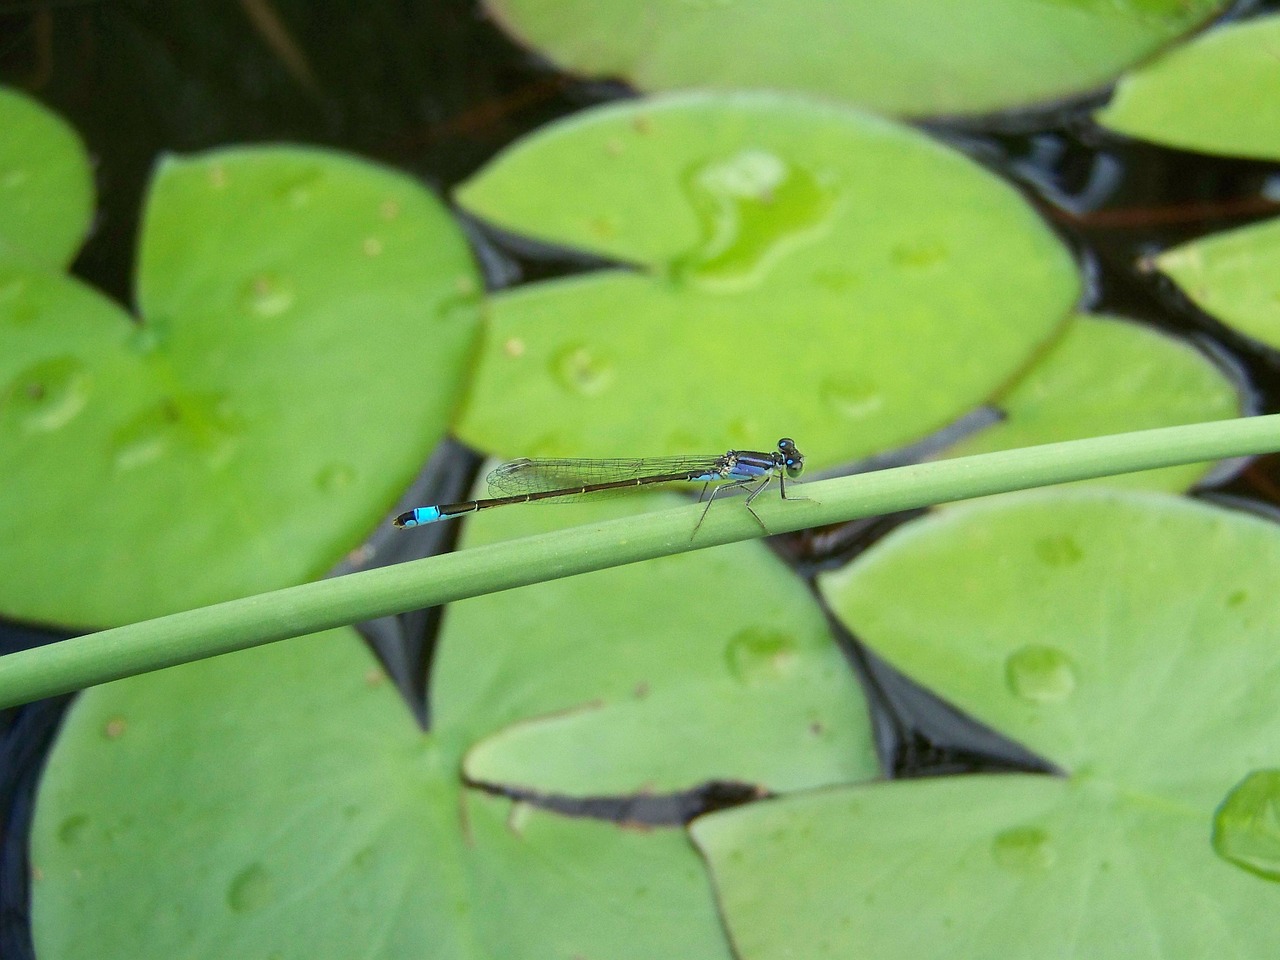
792	458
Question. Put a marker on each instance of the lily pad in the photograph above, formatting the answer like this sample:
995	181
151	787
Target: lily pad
1232	276
710	666
1122	637
261	417
1107	375
46	187
1216	94
800	270
281	802
922	58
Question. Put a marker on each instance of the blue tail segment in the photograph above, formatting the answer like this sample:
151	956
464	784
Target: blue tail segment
417	517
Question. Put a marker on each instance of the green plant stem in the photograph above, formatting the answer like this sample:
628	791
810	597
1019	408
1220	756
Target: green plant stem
236	624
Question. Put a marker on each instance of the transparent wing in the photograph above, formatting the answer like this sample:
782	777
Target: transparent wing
541	476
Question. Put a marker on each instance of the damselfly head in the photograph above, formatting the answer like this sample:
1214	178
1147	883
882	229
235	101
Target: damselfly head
792	458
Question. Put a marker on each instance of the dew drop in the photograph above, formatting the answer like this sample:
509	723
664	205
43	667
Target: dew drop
756	655
518	817
1246	825
752	207
298	190
218	177
146	339
267	295
13	177
580	370
1040	674
114	728
920	255
389	209
1024	849
47	395
852	397
371	246
72	830
1058	551
148	437
513	347
335	478
251	889
614	147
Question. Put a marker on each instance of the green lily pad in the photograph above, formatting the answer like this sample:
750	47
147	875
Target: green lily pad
1119	635
306	321
1216	94
1017	867
923	58
710	666
1232	276
46	186
281	802
791	260
1107	375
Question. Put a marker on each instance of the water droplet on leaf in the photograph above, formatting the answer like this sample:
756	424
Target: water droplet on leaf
267	295
335	478
756	655
203	424
753	207
1024	849
47	395
72	829
297	190
1040	674
1059	551
580	370
920	254
146	438
1246	826
251	889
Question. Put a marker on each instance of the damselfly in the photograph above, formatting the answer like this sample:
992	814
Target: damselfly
529	481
